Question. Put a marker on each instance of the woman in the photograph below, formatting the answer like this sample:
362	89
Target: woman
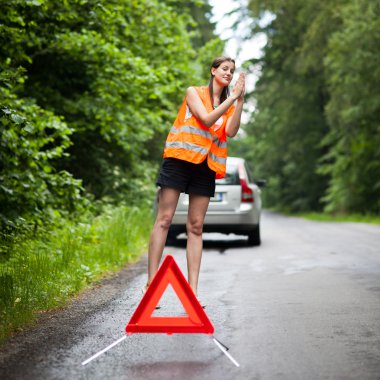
195	154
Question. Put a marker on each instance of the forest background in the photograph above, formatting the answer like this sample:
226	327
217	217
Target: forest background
90	88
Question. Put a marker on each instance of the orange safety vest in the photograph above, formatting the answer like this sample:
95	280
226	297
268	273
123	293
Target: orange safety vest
191	141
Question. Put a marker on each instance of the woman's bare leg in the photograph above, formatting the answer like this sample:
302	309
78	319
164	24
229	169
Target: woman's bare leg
167	204
198	205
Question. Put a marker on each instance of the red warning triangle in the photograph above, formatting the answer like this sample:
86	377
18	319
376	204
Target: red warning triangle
196	320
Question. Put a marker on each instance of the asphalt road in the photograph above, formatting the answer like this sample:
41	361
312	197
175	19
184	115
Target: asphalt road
304	305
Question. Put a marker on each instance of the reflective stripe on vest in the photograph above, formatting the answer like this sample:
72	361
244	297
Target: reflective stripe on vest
187	146
190	129
219	160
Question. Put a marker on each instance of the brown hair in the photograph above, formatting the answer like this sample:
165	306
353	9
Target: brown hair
226	92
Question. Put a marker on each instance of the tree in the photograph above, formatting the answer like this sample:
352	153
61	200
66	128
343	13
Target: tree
352	70
285	132
32	191
99	83
315	131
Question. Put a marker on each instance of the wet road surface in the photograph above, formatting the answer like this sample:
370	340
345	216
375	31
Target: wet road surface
304	305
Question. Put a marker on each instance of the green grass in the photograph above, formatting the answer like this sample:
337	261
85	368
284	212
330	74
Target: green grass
357	218
329	217
44	273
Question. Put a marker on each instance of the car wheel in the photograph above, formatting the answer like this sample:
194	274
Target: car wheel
254	236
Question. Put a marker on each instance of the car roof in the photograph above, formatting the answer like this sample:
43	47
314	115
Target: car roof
234	160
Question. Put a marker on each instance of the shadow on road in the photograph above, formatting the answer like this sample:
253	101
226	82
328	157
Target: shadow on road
222	243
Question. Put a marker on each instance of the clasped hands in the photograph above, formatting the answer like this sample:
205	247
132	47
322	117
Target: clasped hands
239	87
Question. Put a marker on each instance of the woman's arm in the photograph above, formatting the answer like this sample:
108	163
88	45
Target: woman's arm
233	123
198	109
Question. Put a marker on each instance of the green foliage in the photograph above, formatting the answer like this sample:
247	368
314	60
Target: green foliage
115	83
44	272
89	90
315	131
206	54
31	189
347	218
285	132
353	76
201	29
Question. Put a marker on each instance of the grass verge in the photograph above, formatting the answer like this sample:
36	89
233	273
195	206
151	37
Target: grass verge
43	273
356	218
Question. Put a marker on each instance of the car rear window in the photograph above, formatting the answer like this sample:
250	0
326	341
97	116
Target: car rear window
249	173
231	178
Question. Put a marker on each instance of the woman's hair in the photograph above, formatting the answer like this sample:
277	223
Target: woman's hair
226	92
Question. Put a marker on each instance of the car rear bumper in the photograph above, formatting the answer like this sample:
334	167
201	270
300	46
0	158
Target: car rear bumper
220	222
245	215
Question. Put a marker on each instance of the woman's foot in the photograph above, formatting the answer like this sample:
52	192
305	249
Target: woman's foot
144	288
201	303
196	295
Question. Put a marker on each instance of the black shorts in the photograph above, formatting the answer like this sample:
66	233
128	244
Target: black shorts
187	177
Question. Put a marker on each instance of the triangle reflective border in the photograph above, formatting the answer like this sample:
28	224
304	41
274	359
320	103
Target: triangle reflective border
196	320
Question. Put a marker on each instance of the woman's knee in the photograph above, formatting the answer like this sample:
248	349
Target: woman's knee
195	227
164	221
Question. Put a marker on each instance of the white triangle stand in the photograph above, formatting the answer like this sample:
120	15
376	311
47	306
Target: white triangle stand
222	347
104	350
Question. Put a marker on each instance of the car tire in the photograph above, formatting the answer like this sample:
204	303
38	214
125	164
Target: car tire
254	238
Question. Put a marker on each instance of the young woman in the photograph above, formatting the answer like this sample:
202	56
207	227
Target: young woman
195	154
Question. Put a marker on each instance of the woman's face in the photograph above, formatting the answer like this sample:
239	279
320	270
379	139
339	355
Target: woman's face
224	73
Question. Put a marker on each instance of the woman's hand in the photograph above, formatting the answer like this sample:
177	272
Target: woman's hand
239	88
233	122
241	97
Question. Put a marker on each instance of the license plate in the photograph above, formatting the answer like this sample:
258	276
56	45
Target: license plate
218	197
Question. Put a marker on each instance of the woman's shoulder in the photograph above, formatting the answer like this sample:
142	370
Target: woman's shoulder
200	90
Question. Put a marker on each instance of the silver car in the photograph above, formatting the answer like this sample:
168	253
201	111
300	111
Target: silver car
235	208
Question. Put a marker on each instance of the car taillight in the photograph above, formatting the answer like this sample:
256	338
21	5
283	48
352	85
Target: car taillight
246	191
